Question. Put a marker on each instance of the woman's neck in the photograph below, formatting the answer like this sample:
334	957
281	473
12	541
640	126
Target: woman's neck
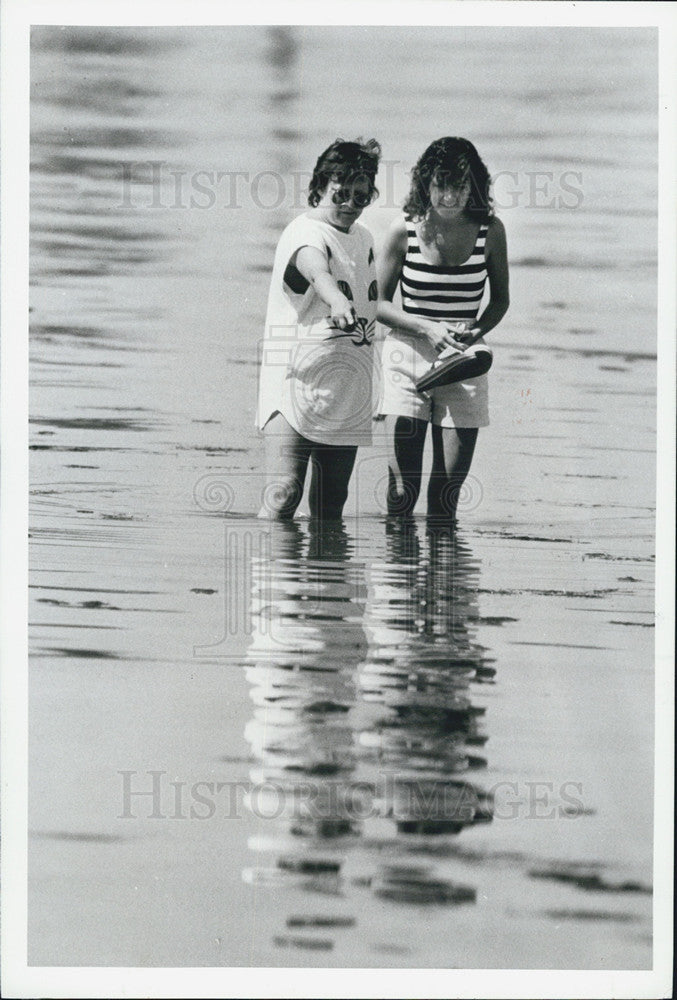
433	222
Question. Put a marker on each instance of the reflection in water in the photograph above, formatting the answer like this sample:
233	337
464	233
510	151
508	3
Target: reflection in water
308	638
364	730
425	731
421	659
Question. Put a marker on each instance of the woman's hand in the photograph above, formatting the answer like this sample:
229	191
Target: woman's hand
342	313
463	332
442	335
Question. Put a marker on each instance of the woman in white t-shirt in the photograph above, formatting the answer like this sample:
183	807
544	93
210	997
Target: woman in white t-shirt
315	388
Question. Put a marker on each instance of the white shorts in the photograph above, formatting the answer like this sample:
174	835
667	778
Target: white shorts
404	360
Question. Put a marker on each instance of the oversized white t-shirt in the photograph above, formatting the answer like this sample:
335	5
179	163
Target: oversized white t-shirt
318	376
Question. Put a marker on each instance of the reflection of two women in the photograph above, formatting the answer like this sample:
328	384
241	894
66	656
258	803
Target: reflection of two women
360	679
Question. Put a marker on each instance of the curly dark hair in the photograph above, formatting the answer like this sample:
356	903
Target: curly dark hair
450	159
344	161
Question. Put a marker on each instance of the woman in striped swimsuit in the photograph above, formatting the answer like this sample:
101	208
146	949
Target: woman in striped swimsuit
440	253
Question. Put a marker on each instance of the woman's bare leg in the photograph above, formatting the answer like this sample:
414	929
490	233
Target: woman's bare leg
406	440
332	466
287	454
453	449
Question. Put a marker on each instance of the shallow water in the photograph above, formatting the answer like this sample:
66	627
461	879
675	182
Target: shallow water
446	758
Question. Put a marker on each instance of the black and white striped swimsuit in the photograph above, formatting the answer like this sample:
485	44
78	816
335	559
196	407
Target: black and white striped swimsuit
439	291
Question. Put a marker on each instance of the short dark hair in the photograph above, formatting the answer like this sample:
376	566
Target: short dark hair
455	159
344	161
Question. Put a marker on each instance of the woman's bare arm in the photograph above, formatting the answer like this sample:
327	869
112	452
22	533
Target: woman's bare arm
314	267
497	270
